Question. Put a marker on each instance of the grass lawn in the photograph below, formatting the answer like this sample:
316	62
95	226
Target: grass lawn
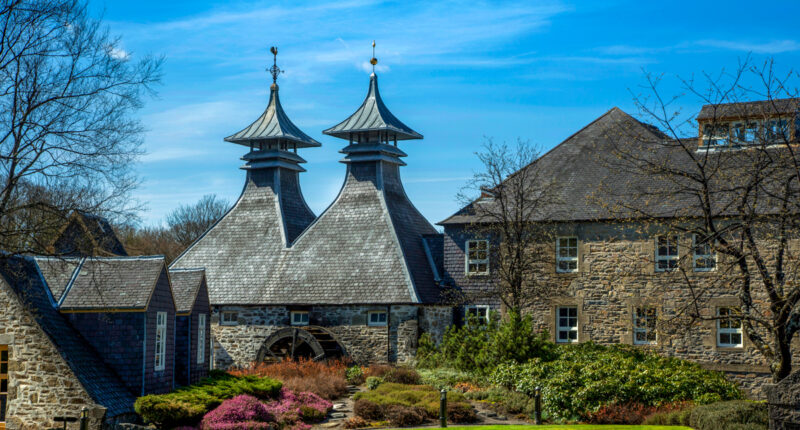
570	427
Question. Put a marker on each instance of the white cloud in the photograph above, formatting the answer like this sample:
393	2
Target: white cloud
117	53
771	47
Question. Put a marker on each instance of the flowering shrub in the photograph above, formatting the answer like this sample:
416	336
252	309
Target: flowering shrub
238	410
326	379
294	408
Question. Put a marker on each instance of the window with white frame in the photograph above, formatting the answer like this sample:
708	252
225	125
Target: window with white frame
729	327
229	318
477	313
567	330
299	317
477	257
567	254
377	318
666	253
161	341
703	257
644	325
716	135
201	339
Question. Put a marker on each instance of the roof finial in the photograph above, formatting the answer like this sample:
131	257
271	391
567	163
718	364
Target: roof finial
373	60
274	70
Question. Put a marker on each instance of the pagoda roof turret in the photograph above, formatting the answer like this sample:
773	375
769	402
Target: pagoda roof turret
373	116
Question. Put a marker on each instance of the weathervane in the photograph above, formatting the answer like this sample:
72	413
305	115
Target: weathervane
274	70
373	60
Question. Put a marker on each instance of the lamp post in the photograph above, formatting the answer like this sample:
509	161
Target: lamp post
537	406
85	418
443	408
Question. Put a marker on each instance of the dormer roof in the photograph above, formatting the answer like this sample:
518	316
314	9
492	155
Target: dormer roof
186	284
753	109
373	116
273	126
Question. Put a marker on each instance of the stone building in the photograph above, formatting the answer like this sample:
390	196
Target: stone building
611	276
359	279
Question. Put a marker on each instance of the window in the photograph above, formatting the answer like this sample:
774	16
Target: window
3	383
716	135
729	328
377	318
478	313
644	326
778	130
751	132
477	257
299	317
567	254
229	318
739	133
567	324
666	253
704	258
161	340
201	339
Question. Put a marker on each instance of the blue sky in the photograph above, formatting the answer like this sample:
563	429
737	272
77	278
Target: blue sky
454	71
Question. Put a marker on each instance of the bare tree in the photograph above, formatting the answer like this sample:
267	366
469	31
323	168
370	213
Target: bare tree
735	189
515	201
68	138
188	222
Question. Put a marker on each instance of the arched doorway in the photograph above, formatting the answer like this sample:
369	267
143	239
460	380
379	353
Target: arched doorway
310	342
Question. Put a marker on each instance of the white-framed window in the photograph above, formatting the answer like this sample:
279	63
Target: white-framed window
716	135
704	259
567	322
666	253
229	318
777	130
477	255
299	317
377	318
201	339
567	254
478	313
729	328
644	325
161	341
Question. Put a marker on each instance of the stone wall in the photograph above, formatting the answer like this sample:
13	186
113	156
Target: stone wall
435	320
41	384
616	273
784	403
239	345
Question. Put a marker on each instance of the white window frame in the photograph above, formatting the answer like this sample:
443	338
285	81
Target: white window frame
233	318
161	342
201	338
377	314
477	309
725	327
302	321
566	328
640	314
469	260
711	256
568	258
668	258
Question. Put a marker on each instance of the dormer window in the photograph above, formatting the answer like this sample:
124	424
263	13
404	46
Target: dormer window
778	130
716	135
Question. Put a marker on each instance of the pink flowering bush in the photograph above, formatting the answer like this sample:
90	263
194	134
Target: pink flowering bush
243	410
293	408
291	411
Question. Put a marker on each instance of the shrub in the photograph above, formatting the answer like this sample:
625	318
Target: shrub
404	416
355	375
373	382
444	377
326	379
461	413
379	370
727	415
674	418
187	405
294	408
368	410
626	413
586	377
422	396
402	375
355	423
238	410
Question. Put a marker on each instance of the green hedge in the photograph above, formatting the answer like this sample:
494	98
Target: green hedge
587	376
187	405
423	397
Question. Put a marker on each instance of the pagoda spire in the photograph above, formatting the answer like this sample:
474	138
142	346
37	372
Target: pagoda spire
273	129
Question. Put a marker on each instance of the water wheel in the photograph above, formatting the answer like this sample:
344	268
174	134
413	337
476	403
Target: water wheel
308	342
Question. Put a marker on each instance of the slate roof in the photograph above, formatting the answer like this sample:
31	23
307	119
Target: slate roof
373	115
98	233
102	384
113	283
186	284
273	125
763	108
58	273
591	184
